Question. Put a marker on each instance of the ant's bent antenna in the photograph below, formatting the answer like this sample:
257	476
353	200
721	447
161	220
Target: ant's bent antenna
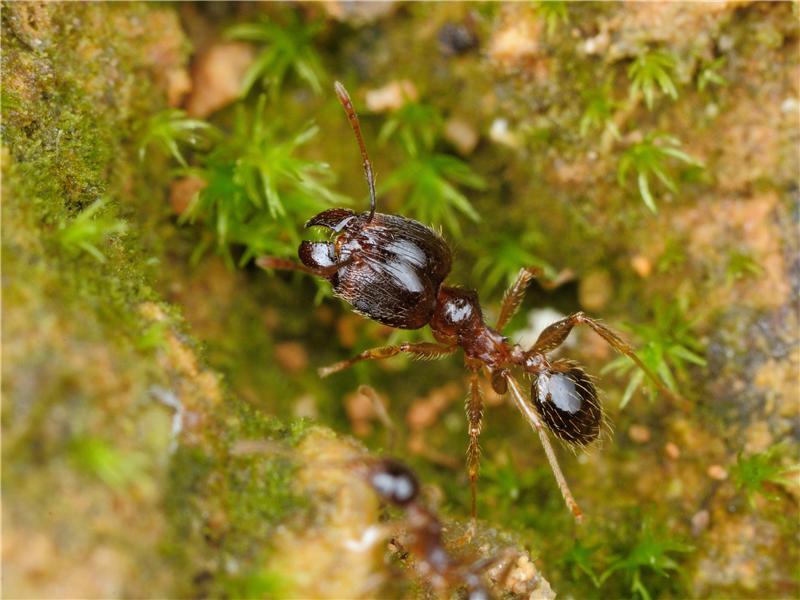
344	98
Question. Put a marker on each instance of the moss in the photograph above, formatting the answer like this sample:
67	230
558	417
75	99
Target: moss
83	383
223	511
164	437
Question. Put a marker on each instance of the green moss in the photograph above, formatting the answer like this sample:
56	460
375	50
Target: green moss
761	472
80	359
288	50
224	506
98	457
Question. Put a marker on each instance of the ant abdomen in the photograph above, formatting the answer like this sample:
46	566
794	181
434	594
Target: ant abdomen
566	399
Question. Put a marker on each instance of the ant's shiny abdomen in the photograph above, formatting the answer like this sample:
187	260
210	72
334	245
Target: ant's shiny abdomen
566	399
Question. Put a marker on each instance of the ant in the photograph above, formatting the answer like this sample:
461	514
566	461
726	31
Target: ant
391	269
396	484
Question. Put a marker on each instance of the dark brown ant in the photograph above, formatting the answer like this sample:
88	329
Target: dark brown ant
397	485
391	269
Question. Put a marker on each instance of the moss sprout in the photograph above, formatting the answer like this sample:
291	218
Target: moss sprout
653	551
500	265
755	474
288	49
741	265
429	180
554	13
599	111
99	458
257	190
89	230
580	559
417	126
709	74
653	72
647	159
169	130
668	346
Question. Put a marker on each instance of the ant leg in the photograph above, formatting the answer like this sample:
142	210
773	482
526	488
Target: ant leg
381	413
421	349
536	423
474	408
513	296
554	335
274	262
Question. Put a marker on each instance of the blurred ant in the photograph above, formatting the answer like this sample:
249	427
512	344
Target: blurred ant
397	485
391	269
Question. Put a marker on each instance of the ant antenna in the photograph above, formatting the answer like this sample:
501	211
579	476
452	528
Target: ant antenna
344	98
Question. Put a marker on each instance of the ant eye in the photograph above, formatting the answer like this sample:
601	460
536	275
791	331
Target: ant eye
394	482
567	402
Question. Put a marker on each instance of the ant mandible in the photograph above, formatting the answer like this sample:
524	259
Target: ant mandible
391	269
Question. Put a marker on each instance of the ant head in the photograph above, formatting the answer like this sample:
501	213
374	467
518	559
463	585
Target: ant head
566	399
393	481
336	219
316	255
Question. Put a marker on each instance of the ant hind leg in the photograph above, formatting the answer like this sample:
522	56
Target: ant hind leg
554	335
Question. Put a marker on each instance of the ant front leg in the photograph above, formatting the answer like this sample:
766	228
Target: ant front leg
420	349
285	264
554	335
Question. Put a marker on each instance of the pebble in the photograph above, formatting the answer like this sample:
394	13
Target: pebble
641	266
456	39
597	44
501	132
358	13
305	407
391	96
292	356
595	290
639	434
182	192
672	451
461	134
217	77
717	472
700	521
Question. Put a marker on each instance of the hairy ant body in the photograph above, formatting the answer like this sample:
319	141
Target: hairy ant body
391	269
397	485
